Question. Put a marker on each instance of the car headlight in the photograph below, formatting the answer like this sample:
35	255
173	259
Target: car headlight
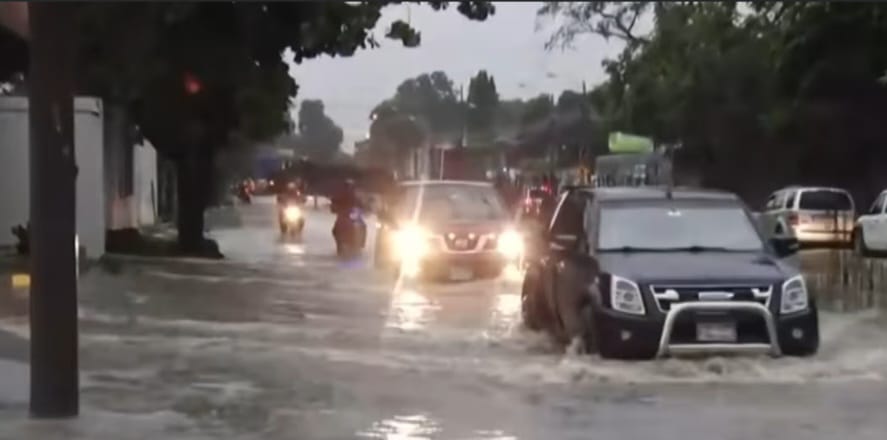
410	242
292	213
625	296
794	295
511	244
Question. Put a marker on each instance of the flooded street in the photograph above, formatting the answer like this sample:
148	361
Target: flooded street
283	340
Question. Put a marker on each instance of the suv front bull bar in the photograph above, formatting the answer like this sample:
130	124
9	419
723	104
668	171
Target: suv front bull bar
666	347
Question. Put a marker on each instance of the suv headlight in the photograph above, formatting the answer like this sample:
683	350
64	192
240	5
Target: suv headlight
625	296
411	242
511	244
794	295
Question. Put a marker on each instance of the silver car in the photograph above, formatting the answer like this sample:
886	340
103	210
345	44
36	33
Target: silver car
817	215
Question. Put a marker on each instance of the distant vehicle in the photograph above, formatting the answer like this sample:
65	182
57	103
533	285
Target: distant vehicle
818	215
531	203
449	229
634	273
870	231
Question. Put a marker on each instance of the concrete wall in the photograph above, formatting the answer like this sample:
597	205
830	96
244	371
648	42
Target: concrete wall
15	170
139	208
145	183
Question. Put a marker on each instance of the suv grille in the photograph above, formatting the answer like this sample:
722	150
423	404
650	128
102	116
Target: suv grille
461	242
666	295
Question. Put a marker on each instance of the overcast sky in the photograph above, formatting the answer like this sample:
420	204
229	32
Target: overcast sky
508	45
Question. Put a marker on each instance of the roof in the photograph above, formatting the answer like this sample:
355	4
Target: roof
812	188
658	192
444	182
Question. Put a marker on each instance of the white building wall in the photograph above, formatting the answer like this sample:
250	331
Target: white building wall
145	184
15	170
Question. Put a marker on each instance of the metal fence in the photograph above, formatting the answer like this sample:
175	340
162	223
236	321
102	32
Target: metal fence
844	282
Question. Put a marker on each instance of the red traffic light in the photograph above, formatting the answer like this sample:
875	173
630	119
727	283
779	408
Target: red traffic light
192	84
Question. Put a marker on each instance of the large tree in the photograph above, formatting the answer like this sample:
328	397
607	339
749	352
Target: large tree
320	138
483	101
430	98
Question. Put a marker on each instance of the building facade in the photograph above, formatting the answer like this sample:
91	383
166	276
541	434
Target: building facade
116	188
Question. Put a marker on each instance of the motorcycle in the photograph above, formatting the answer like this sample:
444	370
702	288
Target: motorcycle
350	233
292	220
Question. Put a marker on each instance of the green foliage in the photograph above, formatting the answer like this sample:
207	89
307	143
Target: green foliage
780	90
537	109
424	106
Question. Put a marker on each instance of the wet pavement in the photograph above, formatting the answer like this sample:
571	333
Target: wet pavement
283	341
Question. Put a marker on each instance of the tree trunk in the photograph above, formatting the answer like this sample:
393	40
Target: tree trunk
193	175
53	298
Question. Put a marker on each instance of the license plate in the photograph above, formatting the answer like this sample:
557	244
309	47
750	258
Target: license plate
716	332
461	274
461	243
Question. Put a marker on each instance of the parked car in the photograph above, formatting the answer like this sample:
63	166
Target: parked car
870	231
644	272
447	229
818	215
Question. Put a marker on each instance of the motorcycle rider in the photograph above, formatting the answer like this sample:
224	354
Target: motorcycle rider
291	194
341	204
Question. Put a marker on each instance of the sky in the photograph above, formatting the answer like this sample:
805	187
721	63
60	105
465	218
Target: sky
509	45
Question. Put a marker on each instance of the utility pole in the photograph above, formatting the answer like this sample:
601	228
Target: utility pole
53	298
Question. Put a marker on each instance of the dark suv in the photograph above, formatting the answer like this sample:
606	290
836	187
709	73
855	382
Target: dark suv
647	272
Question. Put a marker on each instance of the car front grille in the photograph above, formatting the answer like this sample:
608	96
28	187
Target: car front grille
666	295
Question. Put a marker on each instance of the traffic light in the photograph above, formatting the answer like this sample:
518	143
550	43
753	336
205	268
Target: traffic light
192	84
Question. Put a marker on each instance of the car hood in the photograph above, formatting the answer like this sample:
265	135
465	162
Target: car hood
695	267
466	227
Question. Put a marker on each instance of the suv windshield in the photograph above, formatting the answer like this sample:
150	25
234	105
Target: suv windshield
674	226
825	200
453	203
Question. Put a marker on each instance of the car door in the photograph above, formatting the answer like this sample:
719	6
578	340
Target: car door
566	240
874	224
575	272
881	224
546	260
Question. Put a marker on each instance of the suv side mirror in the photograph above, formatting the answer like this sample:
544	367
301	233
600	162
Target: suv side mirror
785	246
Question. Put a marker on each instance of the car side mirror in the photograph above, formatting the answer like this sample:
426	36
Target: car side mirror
785	246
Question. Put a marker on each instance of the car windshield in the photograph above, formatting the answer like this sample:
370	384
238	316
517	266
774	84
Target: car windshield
825	200
452	203
675	227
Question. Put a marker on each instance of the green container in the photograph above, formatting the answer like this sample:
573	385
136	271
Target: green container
629	143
